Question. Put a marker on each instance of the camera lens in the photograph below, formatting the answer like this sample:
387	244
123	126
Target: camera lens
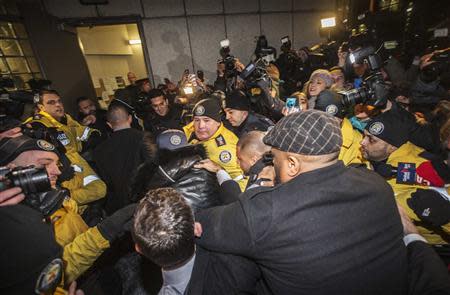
354	96
31	180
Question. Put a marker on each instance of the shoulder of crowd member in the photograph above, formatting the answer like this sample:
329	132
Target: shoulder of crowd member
256	192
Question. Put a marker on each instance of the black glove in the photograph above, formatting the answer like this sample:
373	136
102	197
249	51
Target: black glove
430	206
115	225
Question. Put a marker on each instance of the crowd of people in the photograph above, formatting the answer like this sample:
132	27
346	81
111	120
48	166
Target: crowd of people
281	177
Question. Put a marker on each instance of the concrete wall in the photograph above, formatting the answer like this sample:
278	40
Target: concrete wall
183	34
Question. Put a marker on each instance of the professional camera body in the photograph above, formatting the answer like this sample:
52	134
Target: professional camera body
255	76
374	90
36	187
30	179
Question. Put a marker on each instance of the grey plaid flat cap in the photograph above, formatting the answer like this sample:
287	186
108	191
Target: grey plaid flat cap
309	132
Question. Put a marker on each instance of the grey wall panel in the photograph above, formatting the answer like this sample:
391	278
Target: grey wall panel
276	5
120	8
69	8
203	6
168	47
242	30
239	6
306	29
158	8
205	43
275	26
313	4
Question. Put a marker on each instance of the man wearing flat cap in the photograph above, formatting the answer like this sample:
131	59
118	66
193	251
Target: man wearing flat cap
241	119
324	229
219	142
413	174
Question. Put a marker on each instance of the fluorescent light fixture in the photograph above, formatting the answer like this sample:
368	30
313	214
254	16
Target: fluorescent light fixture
409	9
328	22
134	41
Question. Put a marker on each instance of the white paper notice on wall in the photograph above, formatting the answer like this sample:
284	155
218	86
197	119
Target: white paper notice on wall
441	32
110	85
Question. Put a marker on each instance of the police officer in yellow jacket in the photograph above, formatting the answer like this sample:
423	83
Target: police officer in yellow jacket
220	143
405	167
329	102
85	186
82	245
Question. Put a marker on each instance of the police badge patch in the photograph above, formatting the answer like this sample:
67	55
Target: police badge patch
200	110
331	109
220	141
175	140
376	128
225	156
62	137
45	145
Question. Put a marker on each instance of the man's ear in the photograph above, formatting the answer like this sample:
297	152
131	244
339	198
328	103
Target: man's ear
40	106
137	248
129	119
294	165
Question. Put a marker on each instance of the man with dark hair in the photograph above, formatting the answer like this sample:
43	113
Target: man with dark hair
241	119
164	116
163	231
118	157
90	115
412	173
314	233
220	143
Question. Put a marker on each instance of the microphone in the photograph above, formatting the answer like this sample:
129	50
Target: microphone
405	173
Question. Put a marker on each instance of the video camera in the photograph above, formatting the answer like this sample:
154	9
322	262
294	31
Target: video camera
374	90
30	179
12	102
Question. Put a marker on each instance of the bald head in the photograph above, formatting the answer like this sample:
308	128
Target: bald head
251	148
118	117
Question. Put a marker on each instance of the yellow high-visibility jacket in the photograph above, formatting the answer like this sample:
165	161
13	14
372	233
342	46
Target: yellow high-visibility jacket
409	153
221	149
351	145
85	186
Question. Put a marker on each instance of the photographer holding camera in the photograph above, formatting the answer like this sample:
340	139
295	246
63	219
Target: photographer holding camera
228	68
36	173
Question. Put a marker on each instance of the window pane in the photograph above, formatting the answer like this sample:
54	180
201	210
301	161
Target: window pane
6	30
10	47
33	64
17	64
3	67
26	47
20	30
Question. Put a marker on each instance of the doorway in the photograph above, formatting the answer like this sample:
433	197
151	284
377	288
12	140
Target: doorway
111	52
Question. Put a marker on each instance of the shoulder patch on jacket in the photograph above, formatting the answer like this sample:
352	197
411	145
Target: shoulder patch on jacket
225	156
220	141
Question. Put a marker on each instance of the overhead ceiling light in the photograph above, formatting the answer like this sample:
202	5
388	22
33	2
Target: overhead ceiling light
134	41
328	22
